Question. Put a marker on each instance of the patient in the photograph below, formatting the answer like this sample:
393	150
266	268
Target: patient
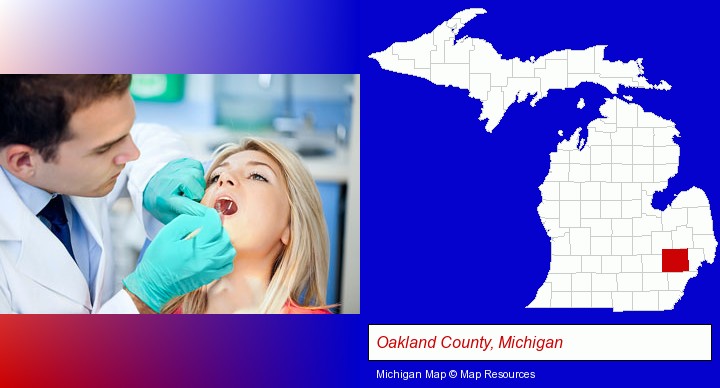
271	209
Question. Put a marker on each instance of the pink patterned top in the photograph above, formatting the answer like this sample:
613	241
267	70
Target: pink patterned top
290	308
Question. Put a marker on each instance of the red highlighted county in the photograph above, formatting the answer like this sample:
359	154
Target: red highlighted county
675	260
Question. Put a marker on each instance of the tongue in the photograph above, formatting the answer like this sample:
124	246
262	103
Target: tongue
226	207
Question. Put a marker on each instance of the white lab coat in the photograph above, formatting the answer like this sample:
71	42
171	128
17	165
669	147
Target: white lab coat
37	275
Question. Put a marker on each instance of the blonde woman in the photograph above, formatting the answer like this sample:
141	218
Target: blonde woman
271	209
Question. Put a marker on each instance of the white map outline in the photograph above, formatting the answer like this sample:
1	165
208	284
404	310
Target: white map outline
606	238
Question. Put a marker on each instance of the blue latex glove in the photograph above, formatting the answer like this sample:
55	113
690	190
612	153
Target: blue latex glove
173	265
176	189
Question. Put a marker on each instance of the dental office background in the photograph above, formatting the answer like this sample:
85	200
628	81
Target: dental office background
315	115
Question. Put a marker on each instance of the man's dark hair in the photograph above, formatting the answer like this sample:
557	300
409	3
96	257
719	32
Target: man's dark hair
35	109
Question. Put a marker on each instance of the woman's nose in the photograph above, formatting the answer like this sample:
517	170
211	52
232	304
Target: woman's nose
225	179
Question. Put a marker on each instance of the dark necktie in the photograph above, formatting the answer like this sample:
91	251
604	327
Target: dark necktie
54	213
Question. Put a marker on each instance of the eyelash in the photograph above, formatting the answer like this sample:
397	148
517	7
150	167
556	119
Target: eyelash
254	176
262	178
108	148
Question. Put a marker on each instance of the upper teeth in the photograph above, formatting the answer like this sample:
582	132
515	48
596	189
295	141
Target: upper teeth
223	205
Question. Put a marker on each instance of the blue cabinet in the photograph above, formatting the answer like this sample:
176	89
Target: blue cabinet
332	196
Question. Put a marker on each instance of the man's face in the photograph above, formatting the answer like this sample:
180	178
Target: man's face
89	163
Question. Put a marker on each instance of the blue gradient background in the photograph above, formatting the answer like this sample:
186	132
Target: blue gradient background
451	229
210	36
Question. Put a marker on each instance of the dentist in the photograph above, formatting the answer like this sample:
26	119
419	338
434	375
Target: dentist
68	149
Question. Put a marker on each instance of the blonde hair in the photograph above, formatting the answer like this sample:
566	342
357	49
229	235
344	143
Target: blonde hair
300	272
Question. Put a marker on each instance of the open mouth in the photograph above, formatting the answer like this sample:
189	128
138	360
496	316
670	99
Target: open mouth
225	206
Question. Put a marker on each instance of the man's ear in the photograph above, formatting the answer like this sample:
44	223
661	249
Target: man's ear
19	160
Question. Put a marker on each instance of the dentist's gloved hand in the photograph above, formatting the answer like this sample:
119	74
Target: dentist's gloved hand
176	189
173	266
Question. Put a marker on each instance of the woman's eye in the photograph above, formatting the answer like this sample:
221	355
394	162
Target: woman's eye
257	177
214	178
